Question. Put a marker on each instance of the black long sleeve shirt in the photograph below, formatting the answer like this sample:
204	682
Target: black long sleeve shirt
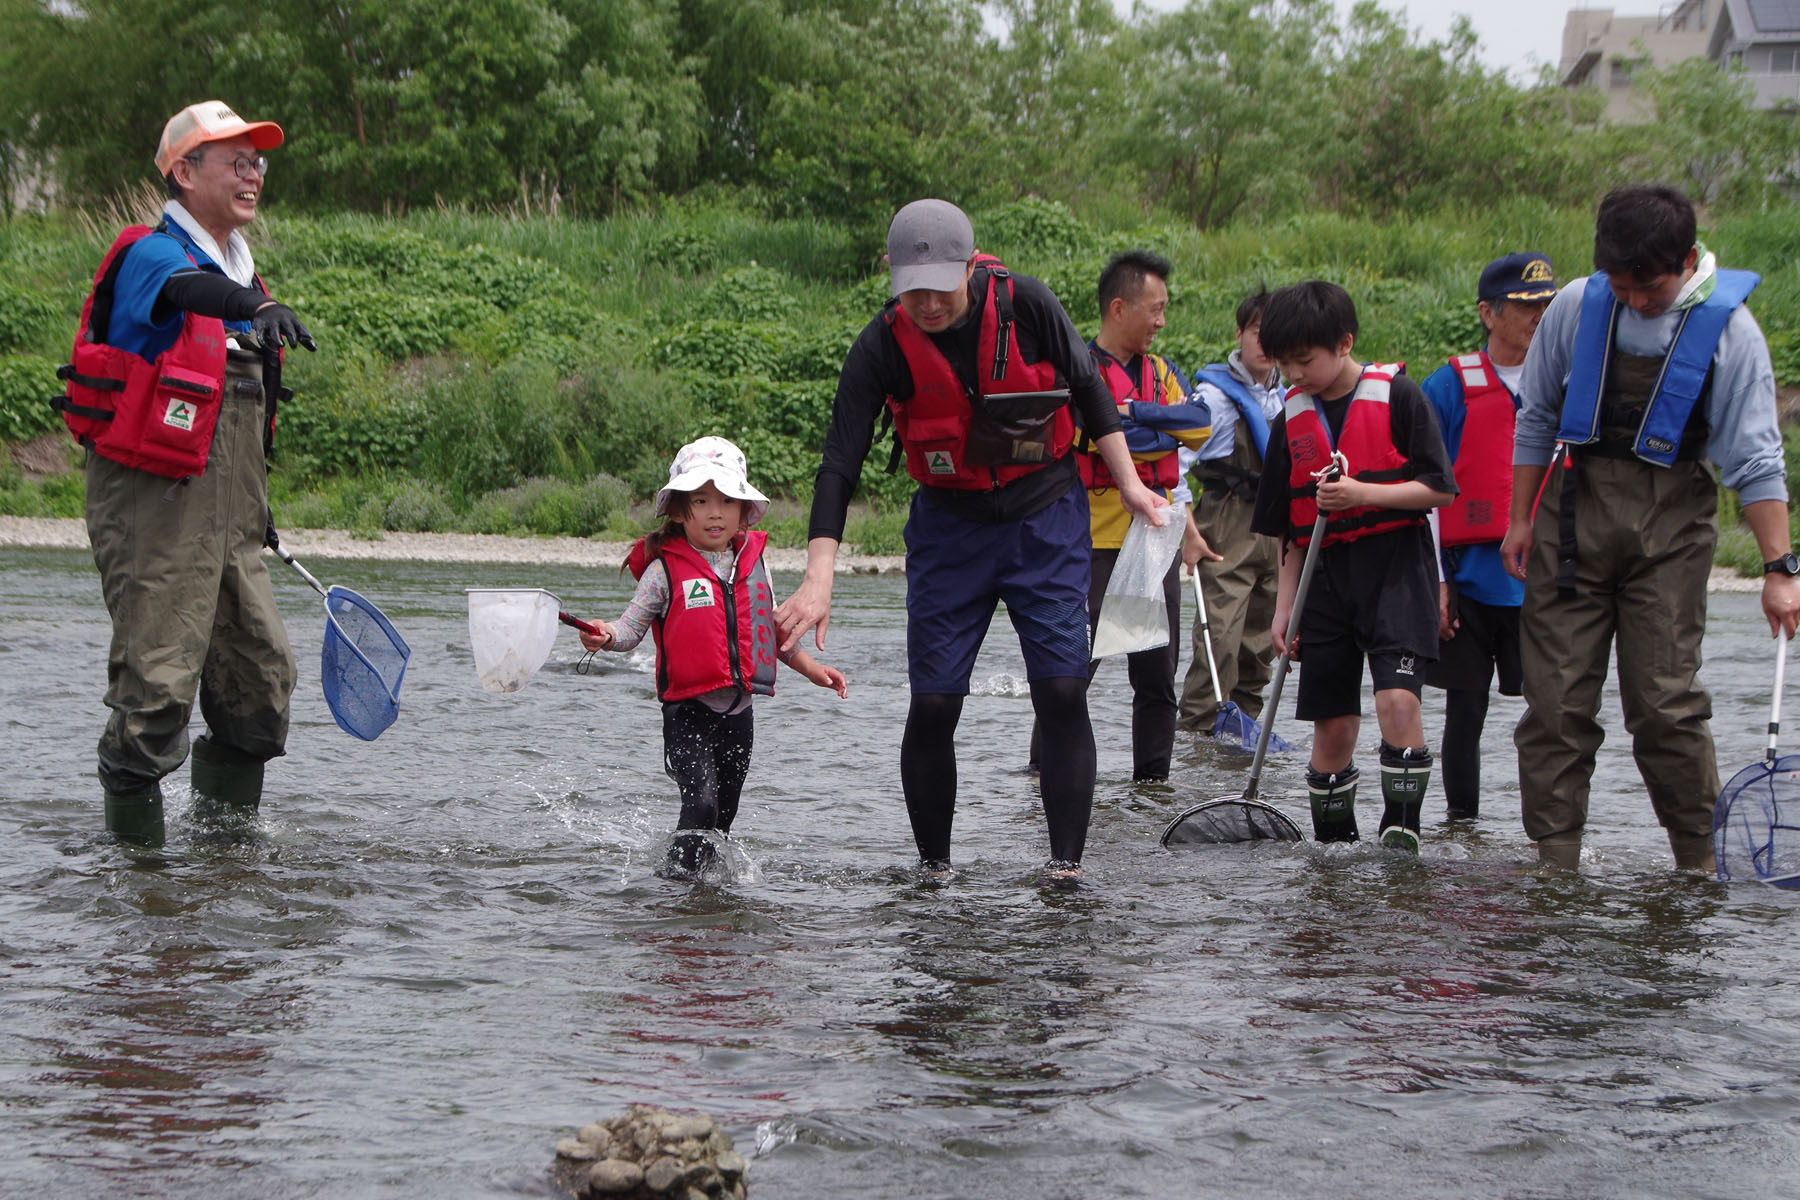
875	370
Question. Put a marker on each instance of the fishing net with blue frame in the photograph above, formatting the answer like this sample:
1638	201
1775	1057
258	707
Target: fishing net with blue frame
361	665
1756	824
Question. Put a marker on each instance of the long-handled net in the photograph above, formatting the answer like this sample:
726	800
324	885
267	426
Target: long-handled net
362	661
1232	726
1245	818
362	664
511	633
1756	823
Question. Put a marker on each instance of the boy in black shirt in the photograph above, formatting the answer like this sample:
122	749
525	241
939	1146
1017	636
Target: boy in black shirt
1374	588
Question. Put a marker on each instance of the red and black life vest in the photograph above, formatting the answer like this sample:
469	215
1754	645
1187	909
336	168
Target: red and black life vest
715	634
1162	472
1484	457
154	416
1017	422
1367	443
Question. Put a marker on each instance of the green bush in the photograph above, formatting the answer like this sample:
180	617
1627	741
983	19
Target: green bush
749	293
683	251
715	350
26	385
27	319
1033	229
418	506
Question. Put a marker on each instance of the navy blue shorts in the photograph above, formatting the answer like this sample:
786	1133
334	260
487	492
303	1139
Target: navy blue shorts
957	570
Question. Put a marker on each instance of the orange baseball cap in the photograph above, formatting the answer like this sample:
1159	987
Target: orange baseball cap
209	121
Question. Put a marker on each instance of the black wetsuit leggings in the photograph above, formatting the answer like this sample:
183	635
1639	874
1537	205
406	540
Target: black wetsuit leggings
707	754
1459	757
1066	779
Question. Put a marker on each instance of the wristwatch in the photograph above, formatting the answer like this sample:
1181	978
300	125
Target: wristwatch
1787	564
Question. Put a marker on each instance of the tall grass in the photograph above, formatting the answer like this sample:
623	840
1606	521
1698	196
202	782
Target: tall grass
479	370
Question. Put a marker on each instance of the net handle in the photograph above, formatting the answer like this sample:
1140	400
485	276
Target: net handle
1781	645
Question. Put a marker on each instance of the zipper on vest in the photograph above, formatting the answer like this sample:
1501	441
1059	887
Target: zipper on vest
729	601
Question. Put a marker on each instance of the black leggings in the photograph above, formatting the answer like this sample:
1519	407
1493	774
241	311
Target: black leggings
1066	780
707	754
1459	756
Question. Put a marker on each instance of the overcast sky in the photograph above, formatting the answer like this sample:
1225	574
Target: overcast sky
1515	34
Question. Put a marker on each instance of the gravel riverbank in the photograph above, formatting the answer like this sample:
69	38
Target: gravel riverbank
71	534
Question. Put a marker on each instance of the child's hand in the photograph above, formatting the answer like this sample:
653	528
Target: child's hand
598	641
1339	494
831	677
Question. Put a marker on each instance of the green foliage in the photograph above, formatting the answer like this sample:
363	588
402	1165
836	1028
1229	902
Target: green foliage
749	293
26	385
1028	228
683	251
25	318
715	350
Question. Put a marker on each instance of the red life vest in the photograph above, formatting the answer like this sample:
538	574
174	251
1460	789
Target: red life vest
714	635
1162	472
1367	443
1484	457
154	416
984	440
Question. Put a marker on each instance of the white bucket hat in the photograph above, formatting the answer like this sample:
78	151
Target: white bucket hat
715	459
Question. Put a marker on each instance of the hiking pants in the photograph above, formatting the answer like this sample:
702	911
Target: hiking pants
1645	538
1240	607
191	602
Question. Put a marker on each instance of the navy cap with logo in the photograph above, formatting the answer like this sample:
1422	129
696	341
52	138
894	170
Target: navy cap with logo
1524	276
929	246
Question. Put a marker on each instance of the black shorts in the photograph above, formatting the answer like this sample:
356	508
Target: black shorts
1487	640
1376	599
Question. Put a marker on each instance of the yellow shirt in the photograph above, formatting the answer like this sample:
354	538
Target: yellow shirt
1107	518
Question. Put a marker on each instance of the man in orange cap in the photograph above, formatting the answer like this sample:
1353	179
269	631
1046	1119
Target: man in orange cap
172	387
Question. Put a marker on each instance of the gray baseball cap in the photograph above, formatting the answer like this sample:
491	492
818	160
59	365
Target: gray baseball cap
929	246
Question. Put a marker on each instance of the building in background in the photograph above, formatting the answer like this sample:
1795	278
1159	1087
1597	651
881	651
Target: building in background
1603	50
1763	38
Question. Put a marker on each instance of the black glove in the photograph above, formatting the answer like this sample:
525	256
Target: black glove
271	539
276	323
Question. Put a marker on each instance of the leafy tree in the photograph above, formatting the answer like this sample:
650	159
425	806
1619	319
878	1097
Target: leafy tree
1708	139
1230	103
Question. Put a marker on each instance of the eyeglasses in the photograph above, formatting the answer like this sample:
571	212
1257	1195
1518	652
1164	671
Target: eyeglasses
243	165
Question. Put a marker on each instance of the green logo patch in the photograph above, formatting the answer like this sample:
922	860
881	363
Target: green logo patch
698	593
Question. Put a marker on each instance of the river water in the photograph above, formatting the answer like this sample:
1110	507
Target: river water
439	952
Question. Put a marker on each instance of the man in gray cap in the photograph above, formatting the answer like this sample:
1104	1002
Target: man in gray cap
983	374
1476	397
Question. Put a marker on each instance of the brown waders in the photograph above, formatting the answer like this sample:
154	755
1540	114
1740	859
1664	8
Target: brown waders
1240	598
192	608
1644	549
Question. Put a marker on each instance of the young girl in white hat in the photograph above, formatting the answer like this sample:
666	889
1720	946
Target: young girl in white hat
704	594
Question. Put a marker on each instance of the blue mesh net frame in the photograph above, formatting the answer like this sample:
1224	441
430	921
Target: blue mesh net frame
1756	824
361	665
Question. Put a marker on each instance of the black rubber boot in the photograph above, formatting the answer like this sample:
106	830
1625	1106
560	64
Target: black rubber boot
690	853
1404	774
1333	796
136	816
227	783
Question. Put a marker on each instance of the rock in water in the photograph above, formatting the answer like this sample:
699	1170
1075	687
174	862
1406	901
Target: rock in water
651	1153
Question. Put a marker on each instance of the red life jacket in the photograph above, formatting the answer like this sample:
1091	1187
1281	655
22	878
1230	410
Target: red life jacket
154	416
714	635
1367	442
1163	472
1484	457
987	439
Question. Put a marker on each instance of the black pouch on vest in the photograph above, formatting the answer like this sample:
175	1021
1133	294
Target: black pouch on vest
1014	428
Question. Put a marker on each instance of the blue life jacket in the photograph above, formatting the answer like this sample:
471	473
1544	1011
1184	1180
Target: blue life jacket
1684	371
1220	376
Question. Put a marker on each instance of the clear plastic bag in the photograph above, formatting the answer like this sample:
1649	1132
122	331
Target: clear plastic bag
1134	615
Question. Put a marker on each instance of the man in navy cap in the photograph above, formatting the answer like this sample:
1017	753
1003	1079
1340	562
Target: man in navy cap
1476	397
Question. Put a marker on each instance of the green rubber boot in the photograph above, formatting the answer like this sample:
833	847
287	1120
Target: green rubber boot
1404	774
1333	795
136	815
227	783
